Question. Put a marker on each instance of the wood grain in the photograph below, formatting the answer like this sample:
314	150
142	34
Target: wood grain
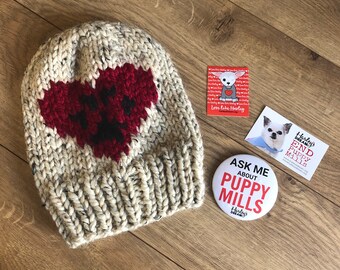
21	35
283	74
313	23
30	240
28	236
301	231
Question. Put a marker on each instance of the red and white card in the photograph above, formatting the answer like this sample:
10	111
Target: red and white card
228	91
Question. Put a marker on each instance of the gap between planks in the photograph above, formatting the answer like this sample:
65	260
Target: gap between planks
248	148
276	167
130	232
38	15
148	244
313	52
201	119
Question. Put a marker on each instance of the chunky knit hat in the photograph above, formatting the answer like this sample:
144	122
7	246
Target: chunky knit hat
111	136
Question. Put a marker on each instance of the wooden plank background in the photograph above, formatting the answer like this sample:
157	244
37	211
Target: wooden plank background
292	51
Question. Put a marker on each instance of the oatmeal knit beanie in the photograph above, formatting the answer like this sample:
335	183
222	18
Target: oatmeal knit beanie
111	136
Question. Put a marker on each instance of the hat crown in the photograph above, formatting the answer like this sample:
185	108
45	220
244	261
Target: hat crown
110	132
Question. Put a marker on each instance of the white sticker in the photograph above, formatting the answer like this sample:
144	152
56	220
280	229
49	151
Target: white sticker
286	142
245	187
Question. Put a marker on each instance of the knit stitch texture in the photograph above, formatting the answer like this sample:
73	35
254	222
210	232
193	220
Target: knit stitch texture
111	136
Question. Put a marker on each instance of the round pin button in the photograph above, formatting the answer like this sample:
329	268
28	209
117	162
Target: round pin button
245	187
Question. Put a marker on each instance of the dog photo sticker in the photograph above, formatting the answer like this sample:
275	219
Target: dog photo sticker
287	143
228	91
245	187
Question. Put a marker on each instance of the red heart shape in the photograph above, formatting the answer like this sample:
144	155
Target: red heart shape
104	117
228	92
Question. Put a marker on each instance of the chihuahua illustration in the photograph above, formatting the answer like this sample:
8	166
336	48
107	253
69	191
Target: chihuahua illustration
228	80
272	137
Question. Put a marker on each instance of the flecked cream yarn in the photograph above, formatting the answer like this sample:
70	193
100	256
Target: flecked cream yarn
111	136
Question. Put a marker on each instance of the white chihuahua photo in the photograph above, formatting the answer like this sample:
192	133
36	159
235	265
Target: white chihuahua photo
272	136
228	80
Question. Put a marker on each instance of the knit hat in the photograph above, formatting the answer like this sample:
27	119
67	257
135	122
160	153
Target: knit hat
111	136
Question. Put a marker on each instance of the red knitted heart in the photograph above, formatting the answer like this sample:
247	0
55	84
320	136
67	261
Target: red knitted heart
228	92
104	117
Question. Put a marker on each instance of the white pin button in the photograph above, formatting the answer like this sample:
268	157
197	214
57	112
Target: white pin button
245	187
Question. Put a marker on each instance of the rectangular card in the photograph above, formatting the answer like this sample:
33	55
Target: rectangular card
286	142
228	91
